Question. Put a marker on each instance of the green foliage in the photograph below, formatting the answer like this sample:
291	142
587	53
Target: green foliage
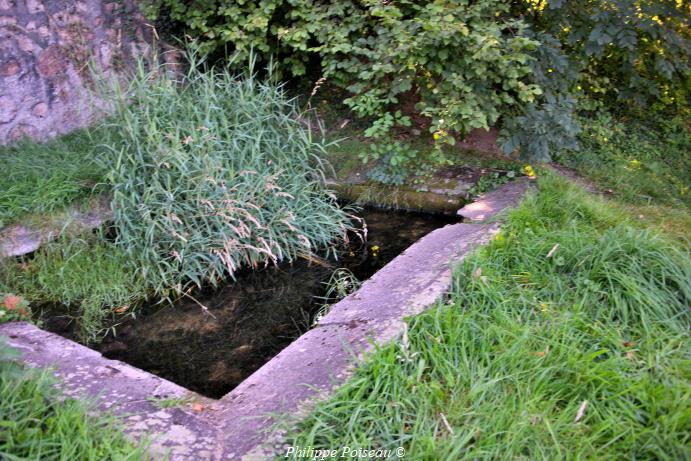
491	181
463	65
90	276
394	163
46	177
640	161
213	174
626	51
457	65
525	340
460	64
341	283
39	423
540	128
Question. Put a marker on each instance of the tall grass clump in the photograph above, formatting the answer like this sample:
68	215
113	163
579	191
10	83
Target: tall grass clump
212	172
565	337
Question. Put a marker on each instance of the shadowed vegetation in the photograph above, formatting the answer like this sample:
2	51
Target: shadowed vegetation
90	277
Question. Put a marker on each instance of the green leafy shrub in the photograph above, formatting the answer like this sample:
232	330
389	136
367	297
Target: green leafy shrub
623	51
461	65
540	127
214	173
454	66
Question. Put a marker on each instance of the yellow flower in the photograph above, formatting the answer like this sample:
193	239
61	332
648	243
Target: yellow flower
543	307
375	248
439	133
528	170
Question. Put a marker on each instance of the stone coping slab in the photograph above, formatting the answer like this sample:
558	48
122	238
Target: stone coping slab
492	203
123	389
18	239
321	358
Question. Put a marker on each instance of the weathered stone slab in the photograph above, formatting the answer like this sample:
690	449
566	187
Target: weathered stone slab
494	202
123	389
18	239
322	358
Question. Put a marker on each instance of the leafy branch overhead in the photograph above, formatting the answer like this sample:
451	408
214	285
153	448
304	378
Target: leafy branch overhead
463	65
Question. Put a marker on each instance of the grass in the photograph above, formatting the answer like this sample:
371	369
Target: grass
527	342
37	422
208	176
91	277
214	175
41	178
641	162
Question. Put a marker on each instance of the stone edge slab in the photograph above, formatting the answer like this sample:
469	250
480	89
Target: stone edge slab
492	203
17	239
322	358
123	389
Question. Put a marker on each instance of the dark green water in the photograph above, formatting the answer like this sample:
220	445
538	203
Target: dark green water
249	321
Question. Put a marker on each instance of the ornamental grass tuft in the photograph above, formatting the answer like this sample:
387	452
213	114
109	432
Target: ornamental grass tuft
211	173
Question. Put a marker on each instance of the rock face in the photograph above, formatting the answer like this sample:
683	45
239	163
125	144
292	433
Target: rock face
46	51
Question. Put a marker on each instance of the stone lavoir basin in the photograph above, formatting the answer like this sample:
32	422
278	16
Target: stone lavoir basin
251	319
259	348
